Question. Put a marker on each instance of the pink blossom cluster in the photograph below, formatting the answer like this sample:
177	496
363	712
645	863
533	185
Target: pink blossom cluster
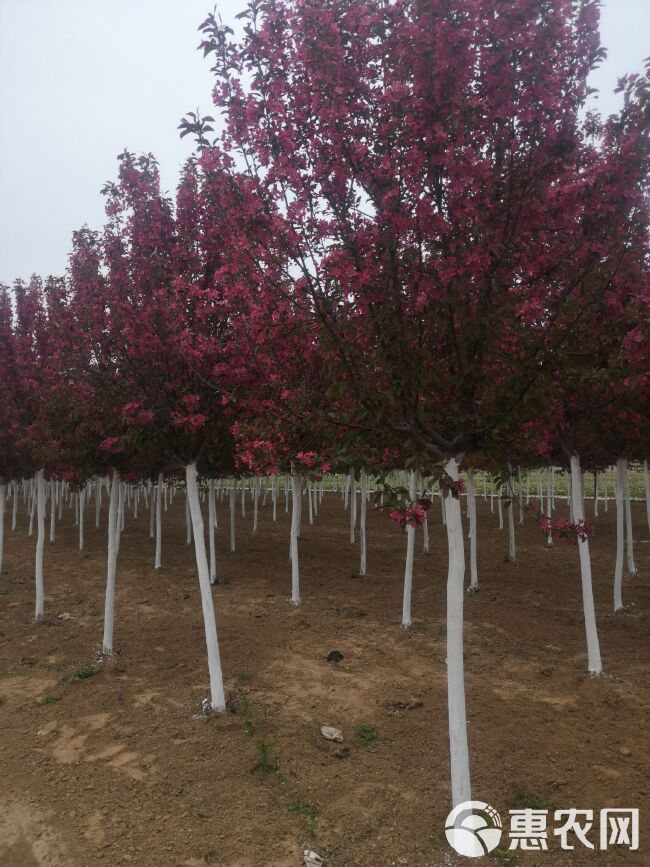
193	421
413	516
135	414
113	445
258	456
566	530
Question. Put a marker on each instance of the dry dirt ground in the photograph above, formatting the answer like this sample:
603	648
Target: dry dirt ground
120	767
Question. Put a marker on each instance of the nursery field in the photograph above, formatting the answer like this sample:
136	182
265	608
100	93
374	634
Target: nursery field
116	763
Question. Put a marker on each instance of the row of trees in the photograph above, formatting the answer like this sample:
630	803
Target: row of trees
407	246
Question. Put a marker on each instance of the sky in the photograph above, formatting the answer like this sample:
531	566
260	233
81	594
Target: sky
81	80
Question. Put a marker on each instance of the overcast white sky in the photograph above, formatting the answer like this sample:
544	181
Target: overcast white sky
80	80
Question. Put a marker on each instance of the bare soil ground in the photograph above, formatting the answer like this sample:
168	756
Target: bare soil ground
120	768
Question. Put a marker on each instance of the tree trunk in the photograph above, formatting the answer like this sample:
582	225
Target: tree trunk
296	491
188	520
52	511
593	648
408	568
353	506
111	568
362	522
471	499
512	549
217	696
32	506
120	515
233	507
40	542
274	497
159	503
549	503
98	499
14	504
459	754
619	493
646	484
631	567
425	535
212	514
82	503
3	500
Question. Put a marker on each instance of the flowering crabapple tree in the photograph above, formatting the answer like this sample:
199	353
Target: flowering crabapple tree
415	160
159	282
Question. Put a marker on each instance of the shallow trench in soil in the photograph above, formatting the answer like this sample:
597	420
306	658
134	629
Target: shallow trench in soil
117	765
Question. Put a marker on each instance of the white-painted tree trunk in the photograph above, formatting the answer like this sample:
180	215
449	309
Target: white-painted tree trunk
40	543
425	535
520	497
188	520
646	485
212	516
552	489
363	481
14	504
256	502
471	500
353	506
512	549
596	479
159	503
459	754
629	536
52	511
296	491
500	508
152	512
619	493
549	503
233	507
111	564
82	504
274	497
98	499
120	518
408	567
3	500
217	696
594	663
32	504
